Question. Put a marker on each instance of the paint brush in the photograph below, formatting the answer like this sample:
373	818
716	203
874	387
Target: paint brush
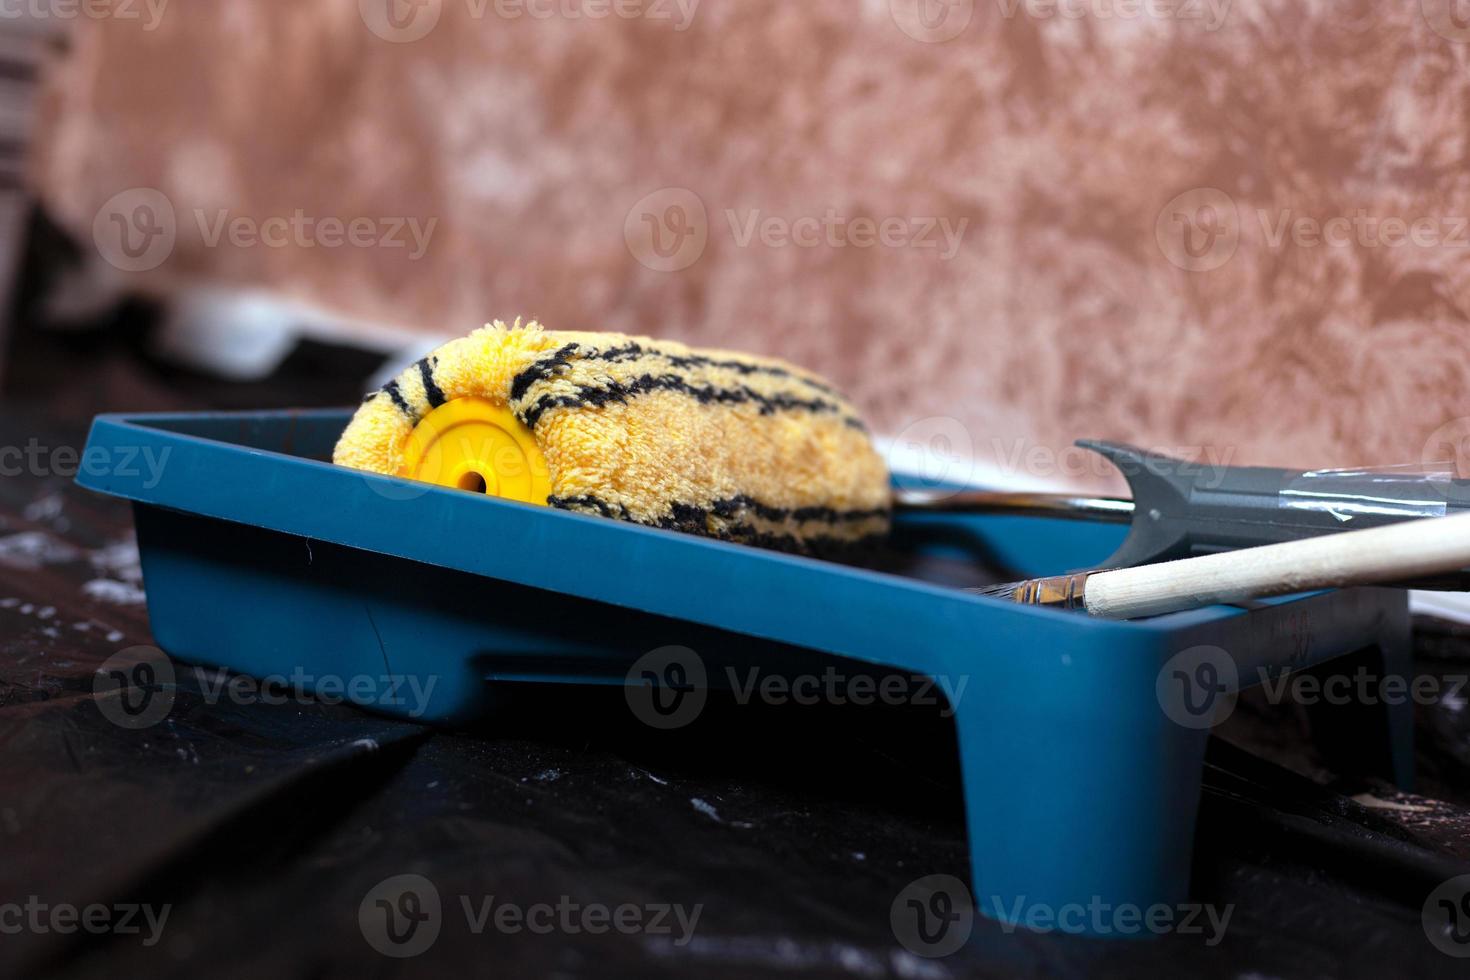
1375	556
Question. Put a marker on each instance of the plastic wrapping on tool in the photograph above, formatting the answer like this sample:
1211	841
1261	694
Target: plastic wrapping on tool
1404	492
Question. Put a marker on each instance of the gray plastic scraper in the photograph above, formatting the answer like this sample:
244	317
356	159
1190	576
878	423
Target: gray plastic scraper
1184	508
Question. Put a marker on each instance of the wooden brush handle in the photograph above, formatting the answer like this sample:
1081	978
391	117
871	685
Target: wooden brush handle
1382	554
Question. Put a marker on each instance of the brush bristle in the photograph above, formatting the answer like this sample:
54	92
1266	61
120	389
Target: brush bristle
1005	591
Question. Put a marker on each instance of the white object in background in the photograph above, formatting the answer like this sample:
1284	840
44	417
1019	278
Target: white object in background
1454	606
240	336
245	334
941	458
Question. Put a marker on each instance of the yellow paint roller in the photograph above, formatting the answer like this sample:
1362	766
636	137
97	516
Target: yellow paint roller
717	443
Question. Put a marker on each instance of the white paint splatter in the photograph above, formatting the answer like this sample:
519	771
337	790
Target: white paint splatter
30	550
645	772
114	636
855	960
910	967
1374	803
45	509
706	809
119	560
548	776
788	954
113	591
371	744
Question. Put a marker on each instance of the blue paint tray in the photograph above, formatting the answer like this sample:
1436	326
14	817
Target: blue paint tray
1081	768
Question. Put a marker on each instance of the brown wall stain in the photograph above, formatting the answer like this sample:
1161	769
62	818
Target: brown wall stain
1060	142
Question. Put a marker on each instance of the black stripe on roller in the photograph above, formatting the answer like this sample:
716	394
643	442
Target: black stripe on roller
692	520
540	371
391	390
589	502
731	507
621	392
631	351
431	388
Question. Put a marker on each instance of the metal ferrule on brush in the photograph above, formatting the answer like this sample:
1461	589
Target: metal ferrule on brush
1060	591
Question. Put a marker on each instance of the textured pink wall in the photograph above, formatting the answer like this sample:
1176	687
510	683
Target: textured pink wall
1079	292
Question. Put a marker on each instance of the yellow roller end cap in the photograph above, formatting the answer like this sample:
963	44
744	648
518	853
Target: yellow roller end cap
471	444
